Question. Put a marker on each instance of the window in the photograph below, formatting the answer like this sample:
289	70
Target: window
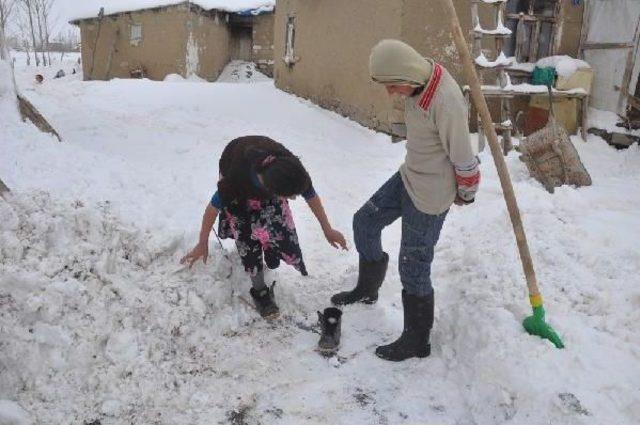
290	35
136	34
535	25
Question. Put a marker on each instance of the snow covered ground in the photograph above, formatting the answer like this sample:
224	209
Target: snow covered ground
99	324
66	61
241	72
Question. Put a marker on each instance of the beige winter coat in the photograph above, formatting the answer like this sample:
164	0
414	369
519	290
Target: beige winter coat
437	138
437	124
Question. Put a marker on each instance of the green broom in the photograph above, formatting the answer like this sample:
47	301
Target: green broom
535	324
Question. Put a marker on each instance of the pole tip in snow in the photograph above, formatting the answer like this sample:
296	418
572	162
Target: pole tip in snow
536	325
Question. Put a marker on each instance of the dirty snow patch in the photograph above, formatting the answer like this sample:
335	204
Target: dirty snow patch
242	72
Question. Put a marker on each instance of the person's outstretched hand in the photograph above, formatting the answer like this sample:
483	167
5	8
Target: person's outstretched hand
199	251
336	239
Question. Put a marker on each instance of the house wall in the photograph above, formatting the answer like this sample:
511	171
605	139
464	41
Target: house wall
333	40
211	39
614	21
425	28
435	40
161	51
263	49
175	40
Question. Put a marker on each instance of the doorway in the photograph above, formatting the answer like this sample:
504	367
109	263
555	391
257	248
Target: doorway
242	43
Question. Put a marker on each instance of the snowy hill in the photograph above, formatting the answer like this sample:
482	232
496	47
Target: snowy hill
99	324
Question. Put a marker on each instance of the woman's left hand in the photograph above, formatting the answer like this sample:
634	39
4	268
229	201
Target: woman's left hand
335	238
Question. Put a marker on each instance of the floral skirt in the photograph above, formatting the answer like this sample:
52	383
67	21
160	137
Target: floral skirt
264	231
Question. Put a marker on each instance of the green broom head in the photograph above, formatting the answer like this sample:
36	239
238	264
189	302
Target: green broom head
535	325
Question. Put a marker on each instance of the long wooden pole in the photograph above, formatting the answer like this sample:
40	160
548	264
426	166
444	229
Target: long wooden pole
95	44
496	152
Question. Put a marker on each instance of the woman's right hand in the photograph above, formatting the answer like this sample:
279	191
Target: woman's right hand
199	251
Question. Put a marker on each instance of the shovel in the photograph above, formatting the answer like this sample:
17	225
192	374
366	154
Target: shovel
535	324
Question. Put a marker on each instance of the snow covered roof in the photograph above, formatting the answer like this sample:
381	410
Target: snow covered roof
90	9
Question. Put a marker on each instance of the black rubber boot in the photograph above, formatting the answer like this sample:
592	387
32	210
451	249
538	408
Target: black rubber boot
330	323
265	302
370	277
418	321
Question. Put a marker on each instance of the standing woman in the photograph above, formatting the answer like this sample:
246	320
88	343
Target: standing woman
257	177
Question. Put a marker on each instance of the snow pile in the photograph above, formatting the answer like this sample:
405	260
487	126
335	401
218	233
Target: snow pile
606	120
12	414
8	102
89	9
537	88
98	322
100	301
524	66
565	66
241	72
174	78
177	78
500	29
501	60
525	88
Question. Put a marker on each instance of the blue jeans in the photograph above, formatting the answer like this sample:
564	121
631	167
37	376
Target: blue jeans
420	233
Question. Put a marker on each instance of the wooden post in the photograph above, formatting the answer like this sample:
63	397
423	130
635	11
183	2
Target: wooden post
583	117
584	32
111	53
505	115
534	43
556	31
95	44
521	32
498	158
475	20
628	70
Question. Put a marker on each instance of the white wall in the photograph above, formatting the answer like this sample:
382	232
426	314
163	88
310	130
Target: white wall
611	21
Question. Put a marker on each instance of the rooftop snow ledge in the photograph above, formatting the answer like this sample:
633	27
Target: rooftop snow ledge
112	7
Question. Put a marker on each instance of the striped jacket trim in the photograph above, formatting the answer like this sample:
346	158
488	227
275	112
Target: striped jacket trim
432	87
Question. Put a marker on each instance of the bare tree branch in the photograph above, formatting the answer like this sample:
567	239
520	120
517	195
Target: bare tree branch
28	8
47	22
37	9
22	24
6	9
